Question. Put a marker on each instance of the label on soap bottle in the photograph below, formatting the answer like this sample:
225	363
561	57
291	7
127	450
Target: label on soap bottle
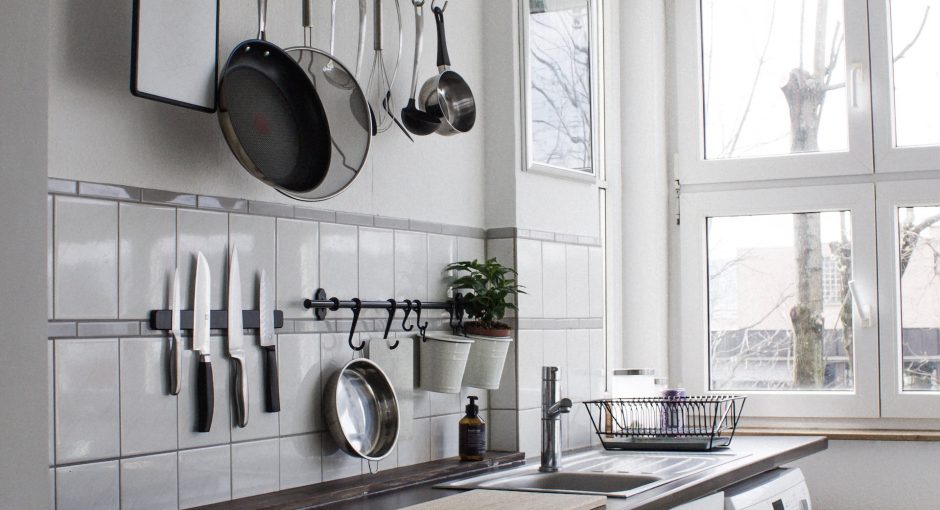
473	440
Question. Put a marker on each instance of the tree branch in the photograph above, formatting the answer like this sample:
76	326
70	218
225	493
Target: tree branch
920	30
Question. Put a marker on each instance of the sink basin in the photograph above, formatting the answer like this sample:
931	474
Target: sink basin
588	483
605	473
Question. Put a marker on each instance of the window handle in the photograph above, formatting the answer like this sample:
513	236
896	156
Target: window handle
856	74
862	310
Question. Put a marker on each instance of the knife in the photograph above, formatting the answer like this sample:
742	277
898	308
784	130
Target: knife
176	338
201	323
272	398
236	340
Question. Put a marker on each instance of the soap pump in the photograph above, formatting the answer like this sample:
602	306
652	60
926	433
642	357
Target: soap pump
472	433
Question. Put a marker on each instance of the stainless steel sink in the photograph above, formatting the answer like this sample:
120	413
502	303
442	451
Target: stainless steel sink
611	474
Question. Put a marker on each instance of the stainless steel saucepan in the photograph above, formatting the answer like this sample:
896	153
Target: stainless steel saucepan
361	410
447	95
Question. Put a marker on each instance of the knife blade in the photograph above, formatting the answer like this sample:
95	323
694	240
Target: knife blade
176	337
205	391
236	340
272	398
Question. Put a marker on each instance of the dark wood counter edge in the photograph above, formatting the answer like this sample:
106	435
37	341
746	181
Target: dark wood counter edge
847	434
709	482
321	494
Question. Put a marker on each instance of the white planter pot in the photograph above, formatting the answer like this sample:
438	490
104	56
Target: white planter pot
443	360
487	357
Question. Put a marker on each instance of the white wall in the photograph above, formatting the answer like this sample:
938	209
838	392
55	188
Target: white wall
99	132
24	473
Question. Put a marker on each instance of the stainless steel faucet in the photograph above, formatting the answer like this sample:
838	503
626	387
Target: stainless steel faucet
552	408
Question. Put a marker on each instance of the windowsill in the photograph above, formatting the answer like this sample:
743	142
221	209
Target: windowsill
846	435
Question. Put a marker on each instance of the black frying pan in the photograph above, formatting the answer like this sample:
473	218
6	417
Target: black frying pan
272	117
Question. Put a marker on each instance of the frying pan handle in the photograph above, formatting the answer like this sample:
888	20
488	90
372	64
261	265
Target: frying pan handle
262	18
443	59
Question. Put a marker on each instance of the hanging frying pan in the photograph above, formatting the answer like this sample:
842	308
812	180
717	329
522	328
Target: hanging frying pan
361	410
345	105
271	116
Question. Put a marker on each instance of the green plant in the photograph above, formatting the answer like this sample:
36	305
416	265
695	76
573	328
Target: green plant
486	287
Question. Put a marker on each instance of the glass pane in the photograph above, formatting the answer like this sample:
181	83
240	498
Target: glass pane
915	36
774	77
560	84
919	266
779	310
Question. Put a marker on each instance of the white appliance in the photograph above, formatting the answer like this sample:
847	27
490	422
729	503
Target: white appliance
780	489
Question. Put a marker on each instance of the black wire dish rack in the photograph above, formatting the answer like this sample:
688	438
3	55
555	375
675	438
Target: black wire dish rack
693	423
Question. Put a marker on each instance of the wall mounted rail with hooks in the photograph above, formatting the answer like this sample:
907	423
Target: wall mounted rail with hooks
321	305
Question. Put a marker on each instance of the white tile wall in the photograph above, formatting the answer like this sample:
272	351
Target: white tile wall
207	232
339	266
502	429
255	468
411	265
596	277
148	410
554	303
86	386
261	424
254	236
300	387
530	277
86	486
205	476
335	462
86	262
444	440
50	377
555	354
147	258
50	243
577	283
442	250
469	248
221	430
579	365
529	345
376	267
300	460
150	482
298	265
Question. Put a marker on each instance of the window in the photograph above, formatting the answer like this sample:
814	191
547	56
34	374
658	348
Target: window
561	86
821	299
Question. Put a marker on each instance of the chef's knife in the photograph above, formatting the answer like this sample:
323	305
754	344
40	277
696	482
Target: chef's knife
236	340
205	391
176	338
272	398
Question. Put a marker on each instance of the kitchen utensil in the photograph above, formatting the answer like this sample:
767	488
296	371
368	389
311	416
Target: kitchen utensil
360	50
380	81
338	77
418	122
272	397
345	105
174	52
236	340
272	117
447	95
205	392
361	410
176	337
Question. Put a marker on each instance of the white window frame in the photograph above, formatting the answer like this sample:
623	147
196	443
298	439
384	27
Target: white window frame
595	7
689	79
693	361
890	158
890	196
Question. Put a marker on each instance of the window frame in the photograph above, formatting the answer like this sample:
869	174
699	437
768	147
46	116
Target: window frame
596	36
897	403
693	362
696	169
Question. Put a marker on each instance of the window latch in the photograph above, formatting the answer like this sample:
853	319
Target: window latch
862	310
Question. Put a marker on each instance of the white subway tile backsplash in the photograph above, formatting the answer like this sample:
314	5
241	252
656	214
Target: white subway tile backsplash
444	403
150	482
261	424
411	265
442	250
529	345
577	283
50	378
555	354
86	262
579	365
414	441
596	281
503	250
444	436
554	291
255	467
254	236
148	410
598	363
205	476
220	432
86	400
530	432
299	460
470	248
503	430
530	277
147	258
88	486
506	396
298	266
206	232
339	262
51	488
50	279
376	267
300	384
336	463
580	428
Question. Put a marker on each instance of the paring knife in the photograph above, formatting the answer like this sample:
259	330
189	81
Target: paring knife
272	398
236	340
205	391
176	338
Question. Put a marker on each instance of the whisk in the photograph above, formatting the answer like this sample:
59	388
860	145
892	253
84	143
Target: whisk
379	89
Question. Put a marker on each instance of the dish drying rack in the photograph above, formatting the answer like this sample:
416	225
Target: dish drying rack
693	423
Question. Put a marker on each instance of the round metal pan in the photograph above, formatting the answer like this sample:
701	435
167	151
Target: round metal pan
361	410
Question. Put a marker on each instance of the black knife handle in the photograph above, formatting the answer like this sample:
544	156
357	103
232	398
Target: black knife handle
205	394
272	394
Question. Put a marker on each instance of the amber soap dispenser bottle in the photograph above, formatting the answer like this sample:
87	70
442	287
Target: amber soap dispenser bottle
472	433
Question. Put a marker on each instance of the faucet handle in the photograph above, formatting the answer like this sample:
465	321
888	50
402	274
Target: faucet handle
550	373
565	405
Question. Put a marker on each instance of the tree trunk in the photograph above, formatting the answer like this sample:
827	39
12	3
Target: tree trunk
806	315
